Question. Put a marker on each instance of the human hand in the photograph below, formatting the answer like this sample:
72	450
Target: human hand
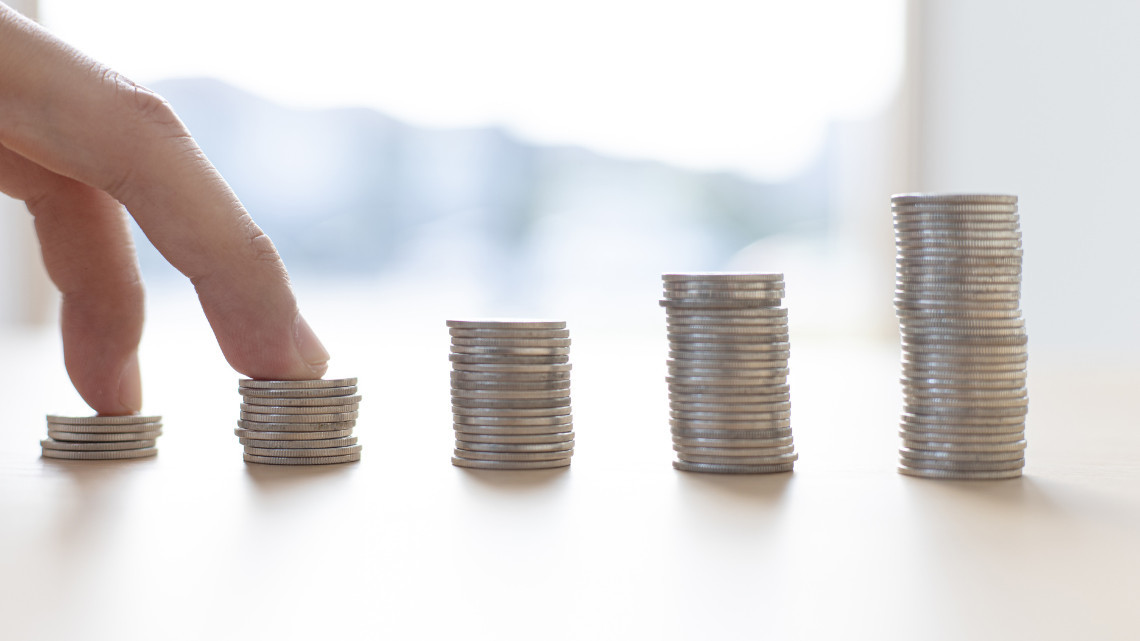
78	142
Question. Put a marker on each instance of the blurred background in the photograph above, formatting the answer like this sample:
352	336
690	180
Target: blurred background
415	161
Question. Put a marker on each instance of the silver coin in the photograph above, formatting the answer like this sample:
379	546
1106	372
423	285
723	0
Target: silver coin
959	475
720	372
729	426
727	359
469	431
316	392
947	297
52	444
962	383
514	439
133	419
277	410
987	425
980	372
554	393
774	436
510	377
282	385
105	429
929	446
302	452
723	407
503	361
145	452
919	456
305	444
726	381
488	386
906	242
732	469
783	443
917	199
716	315
955	269
303	402
984	327
492	421
743	277
959	307
509	333
520	448
561	402
477	455
722	390
297	427
121	437
777	333
716	348
506	324
510	465
738	460
922	315
723	399
314	460
913	419
722	355
975	439
944	411
698	289
988	466
731	451
730	416
502	412
921	403
510	343
967	229
760	326
974	365
964	350
923	393
717	303
503	368
298	418
478	350
770	297
951	336
257	435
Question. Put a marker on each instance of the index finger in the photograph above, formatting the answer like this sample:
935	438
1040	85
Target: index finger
81	119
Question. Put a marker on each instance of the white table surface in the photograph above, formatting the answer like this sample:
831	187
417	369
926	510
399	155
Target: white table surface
196	544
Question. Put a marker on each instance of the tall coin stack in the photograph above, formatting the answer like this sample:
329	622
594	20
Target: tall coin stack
299	422
101	438
963	337
510	394
728	367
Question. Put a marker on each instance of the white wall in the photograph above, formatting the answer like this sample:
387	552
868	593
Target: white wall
1042	99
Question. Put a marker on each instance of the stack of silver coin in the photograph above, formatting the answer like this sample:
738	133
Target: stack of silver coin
510	394
728	367
299	422
101	438
963	336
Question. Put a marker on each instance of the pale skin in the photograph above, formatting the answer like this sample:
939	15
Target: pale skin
82	146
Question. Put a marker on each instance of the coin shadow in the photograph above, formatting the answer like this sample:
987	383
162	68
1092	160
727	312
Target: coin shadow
768	489
516	481
95	488
279	479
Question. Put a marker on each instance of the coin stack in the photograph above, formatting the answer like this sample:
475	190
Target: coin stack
963	336
728	367
101	437
299	422
510	394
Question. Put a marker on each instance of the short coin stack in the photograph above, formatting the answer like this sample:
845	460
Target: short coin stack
510	394
728	366
299	422
101	438
963	336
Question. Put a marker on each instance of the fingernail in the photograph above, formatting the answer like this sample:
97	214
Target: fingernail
308	345
130	385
